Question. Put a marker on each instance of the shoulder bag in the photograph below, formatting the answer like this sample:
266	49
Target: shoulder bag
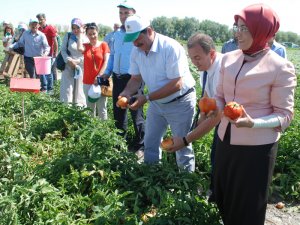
60	62
105	84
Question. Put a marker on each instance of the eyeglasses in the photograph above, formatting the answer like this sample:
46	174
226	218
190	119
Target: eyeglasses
240	29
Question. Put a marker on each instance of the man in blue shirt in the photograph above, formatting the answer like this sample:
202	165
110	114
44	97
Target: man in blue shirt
109	38
35	44
232	44
278	48
118	65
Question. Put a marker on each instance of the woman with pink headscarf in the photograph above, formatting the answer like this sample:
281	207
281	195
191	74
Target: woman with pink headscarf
263	83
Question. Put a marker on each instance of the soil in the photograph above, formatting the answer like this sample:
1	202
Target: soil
289	215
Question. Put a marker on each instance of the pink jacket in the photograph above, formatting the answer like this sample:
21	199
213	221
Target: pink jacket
264	85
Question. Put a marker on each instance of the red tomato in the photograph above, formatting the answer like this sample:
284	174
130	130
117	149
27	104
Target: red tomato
122	102
207	104
233	110
166	143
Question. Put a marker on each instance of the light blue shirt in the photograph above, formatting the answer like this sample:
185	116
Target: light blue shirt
34	44
119	57
229	46
279	49
109	39
165	61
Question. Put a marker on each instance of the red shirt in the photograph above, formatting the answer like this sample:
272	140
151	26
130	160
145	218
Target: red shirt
50	33
93	61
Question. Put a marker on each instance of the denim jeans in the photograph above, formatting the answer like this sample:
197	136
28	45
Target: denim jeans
46	82
178	115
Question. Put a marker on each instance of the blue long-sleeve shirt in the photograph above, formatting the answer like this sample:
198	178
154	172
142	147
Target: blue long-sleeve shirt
35	44
119	58
229	46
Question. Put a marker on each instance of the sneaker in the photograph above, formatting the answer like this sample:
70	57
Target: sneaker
50	92
210	196
140	155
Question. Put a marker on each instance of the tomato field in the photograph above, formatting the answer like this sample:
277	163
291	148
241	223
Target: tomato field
65	167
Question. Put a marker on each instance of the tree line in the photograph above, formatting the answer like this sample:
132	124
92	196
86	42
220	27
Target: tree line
182	29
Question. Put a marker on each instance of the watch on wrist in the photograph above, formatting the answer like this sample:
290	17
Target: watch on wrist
147	98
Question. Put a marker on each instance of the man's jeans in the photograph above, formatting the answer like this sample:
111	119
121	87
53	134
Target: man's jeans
178	115
46	82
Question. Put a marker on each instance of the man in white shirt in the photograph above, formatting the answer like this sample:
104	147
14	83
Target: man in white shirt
201	50
162	64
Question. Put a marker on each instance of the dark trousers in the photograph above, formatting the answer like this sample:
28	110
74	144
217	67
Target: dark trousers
54	70
46	82
29	66
120	115
212	160
242	177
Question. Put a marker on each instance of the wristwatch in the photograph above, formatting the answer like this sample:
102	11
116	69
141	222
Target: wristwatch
147	98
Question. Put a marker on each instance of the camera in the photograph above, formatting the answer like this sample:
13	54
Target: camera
102	81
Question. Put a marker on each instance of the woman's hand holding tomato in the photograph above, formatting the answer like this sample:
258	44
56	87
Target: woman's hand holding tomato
239	117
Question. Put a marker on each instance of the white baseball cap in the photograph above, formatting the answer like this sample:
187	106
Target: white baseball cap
94	93
126	4
33	20
134	25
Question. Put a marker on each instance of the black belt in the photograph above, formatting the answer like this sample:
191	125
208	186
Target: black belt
121	76
180	96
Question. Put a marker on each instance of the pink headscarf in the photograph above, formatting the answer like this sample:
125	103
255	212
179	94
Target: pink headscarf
262	22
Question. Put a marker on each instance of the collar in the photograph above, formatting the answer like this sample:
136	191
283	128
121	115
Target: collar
215	64
155	44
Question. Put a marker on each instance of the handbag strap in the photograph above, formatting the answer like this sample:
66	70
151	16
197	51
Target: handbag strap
95	65
68	52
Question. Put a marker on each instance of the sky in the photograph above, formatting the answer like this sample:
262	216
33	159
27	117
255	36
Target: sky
106	12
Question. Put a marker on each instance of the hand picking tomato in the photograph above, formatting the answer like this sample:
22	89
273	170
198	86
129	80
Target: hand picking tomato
207	104
233	110
166	143
122	102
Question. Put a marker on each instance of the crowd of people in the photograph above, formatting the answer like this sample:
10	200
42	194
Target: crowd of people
252	70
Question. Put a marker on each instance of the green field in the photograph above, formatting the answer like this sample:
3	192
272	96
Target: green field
68	168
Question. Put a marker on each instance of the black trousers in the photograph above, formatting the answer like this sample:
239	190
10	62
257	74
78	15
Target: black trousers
120	115
30	66
242	177
212	159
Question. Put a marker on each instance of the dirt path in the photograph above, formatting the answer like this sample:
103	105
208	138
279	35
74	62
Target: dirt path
289	215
